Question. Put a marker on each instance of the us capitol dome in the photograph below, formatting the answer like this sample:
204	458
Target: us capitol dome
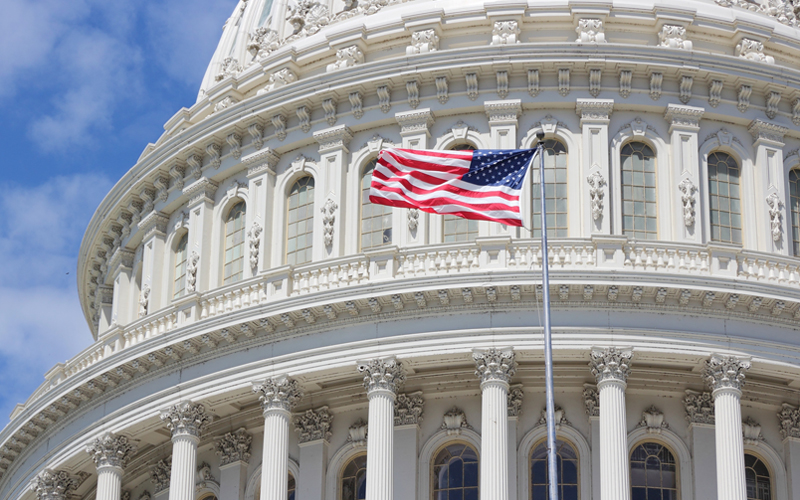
263	332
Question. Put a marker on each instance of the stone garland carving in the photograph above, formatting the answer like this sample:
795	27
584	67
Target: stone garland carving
688	189
494	365
186	418
505	33
596	182
591	400
254	240
784	11
558	415
279	393
110	450
328	219
674	37
514	401
423	42
590	31
54	485
753	50
653	420
454	421
725	372
192	265
357	433
230	67
160	474
314	425
408	409
789	419
144	300
347	57
382	374
611	364
699	407
775	214
751	431
234	447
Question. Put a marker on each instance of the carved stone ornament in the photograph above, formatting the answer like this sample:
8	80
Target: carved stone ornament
558	414
357	434
145	496
413	219
789	419
725	372
234	447
160	474
230	67
263	41
653	420
254	240
688	190
224	103
347	57
591	400
54	485
192	264
204	475
328	219
590	31
784	11
751	431
753	50
408	409
144	300
674	37
110	450
186	418
314	425
422	42
596	183
279	393
279	79
505	33
454	421
494	365
699	407
775	216
611	364
514	400
382	374
307	17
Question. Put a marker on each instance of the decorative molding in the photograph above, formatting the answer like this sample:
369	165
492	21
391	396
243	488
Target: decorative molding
356	105
192	264
715	92
314	424
782	11
412	89
653	420
563	82
773	98
230	68
335	138
254	241
279	79
533	82
625	77
263	42
144	300
413	218
591	400
278	393
347	57
493	365
423	42
357	434
304	115
261	161
744	97
56	484
595	81
674	37
234	140
329	107
186	418
789	420
503	112
761	130
234	447
225	103
454	421
442	89
597	193
413	122
502	84
611	363
328	219
408	409
514	400
505	33
685	117
160	474
594	109
385	374
384	98
203	189
688	190
775	216
214	152
686	88
751	431
110	450
656	82
590	31
472	85
725	372
753	50
699	407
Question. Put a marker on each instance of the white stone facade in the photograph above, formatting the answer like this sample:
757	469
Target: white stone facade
252	321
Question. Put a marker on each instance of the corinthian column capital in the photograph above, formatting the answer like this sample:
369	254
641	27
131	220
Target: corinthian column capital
110	450
186	419
611	364
54	485
278	393
725	372
494	364
385	374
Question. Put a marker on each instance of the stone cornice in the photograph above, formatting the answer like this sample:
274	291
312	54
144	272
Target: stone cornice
201	190
503	112
765	131
683	117
155	223
334	138
414	122
264	160
594	110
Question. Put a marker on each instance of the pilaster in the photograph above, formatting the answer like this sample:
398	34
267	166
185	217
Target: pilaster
699	408
261	187
154	233
591	401
789	420
328	236
121	313
595	116
408	409
503	124
770	220
514	410
234	451
313	427
415	131
201	221
683	177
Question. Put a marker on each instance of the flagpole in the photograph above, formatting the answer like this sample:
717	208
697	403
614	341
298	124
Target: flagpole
548	342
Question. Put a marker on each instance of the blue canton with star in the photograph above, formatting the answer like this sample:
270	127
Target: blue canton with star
499	167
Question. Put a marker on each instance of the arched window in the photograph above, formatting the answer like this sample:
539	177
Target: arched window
555	191
376	220
567	460
292	487
653	473
233	269
179	281
458	229
757	478
639	191
354	479
724	198
794	205
300	217
455	473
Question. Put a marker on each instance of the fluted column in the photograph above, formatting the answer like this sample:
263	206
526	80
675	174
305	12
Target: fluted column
278	396
186	421
382	378
611	368
54	485
495	369
725	377
110	454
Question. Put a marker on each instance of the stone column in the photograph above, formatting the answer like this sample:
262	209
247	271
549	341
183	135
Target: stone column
407	416
789	420
770	215
278	396
110	454
683	180
495	367
611	368
595	116
186	421
382	378
591	400
700	414
234	451
515	395
725	377
54	485
314	430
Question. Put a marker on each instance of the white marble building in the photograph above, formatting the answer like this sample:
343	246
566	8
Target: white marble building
261	332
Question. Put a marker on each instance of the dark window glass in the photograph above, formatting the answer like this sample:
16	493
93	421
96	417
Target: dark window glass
568	472
653	473
354	479
455	473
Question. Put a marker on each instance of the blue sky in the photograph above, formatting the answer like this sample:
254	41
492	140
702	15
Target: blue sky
84	86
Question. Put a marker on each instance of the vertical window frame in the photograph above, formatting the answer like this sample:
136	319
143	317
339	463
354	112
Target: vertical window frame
234	234
533	449
714	198
180	266
794	208
634	185
464	230
432	469
675	462
306	212
341	477
378	213
555	229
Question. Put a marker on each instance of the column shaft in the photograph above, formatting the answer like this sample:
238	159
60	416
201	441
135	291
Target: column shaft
109	483
494	440
615	476
729	445
184	466
380	445
275	464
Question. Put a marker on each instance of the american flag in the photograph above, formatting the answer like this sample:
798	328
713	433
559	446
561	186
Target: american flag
484	184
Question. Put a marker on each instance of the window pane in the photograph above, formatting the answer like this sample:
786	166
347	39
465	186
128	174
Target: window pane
555	176
568	474
652	472
639	210
300	222
455	473
376	220
233	270
757	479
723	179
